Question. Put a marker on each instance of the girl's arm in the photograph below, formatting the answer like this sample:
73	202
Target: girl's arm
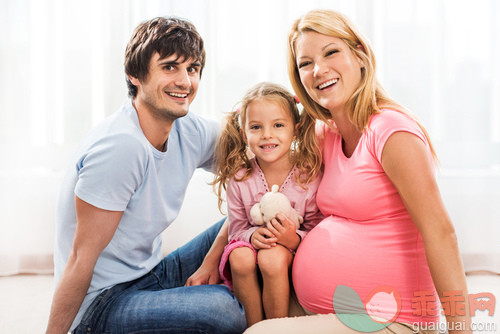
240	228
312	215
407	163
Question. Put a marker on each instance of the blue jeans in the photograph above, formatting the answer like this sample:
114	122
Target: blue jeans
160	303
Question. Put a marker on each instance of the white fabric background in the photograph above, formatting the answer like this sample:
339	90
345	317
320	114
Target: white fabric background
61	72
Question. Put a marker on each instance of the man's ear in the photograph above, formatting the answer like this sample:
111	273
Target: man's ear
136	82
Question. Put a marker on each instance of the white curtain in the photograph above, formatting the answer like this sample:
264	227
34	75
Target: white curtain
61	72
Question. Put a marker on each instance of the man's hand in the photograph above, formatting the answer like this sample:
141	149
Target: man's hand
206	274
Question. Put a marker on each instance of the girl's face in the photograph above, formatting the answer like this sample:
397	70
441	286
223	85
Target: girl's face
329	71
269	130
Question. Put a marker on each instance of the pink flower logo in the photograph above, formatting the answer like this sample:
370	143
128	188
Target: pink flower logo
383	304
381	308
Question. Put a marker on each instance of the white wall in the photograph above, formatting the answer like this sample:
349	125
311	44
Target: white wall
61	65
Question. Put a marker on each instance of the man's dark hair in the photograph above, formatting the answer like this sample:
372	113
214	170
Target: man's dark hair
167	36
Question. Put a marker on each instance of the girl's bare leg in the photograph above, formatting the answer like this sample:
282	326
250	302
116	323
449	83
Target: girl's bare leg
274	264
245	283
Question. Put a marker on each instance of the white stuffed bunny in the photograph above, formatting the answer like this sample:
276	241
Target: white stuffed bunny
270	205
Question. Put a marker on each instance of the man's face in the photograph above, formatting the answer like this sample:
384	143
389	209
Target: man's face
170	86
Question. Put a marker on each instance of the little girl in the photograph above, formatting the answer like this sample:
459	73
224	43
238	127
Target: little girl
266	127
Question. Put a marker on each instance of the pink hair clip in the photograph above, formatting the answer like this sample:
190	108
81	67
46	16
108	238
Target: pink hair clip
296	99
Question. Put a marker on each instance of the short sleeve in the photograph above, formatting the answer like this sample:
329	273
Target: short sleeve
110	171
209	131
388	122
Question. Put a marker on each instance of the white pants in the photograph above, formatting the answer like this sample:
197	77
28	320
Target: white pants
301	321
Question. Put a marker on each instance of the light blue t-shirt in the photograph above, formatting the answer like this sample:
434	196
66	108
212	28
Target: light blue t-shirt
116	168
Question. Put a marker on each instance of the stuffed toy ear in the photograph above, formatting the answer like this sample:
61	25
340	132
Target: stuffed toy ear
256	214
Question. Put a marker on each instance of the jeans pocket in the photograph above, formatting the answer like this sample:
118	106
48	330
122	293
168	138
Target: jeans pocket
93	312
94	318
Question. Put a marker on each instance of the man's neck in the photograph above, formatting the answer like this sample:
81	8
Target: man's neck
155	130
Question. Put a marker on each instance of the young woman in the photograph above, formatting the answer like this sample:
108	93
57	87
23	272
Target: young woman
387	246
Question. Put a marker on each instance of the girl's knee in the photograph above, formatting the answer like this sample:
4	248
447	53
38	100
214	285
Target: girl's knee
274	260
242	260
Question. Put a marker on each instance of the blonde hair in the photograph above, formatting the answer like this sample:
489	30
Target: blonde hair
231	149
370	96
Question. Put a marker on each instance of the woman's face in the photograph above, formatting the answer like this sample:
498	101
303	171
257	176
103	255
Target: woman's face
329	71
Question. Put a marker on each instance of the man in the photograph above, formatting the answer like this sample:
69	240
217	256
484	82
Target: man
125	187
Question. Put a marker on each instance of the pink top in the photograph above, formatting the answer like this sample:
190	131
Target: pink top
368	239
242	195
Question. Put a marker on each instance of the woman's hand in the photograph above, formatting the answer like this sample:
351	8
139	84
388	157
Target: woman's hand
263	238
285	231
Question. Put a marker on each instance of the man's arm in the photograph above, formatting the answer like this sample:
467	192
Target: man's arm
94	230
208	273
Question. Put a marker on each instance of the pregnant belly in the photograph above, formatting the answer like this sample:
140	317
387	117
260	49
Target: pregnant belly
363	256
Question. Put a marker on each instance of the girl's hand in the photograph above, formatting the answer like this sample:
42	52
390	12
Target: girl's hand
285	231
263	238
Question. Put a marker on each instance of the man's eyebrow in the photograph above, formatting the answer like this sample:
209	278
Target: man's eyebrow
168	62
176	62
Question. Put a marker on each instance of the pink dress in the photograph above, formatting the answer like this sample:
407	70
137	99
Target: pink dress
242	195
368	241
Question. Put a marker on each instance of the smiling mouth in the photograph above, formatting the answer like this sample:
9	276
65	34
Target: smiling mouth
327	84
177	95
267	147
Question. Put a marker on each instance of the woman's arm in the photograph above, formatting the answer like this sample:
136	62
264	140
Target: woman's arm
94	229
407	163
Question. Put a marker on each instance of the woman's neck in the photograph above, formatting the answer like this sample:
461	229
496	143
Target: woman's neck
349	133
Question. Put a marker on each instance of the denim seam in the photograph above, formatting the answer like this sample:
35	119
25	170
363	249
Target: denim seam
87	317
158	279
